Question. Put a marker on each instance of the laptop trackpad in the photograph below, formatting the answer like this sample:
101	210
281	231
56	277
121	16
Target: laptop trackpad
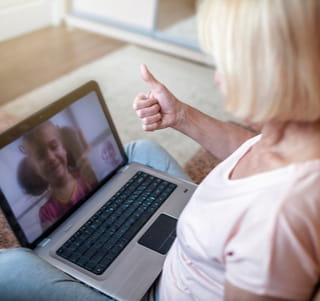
161	234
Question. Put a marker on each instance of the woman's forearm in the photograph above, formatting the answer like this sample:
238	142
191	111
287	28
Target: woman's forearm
220	138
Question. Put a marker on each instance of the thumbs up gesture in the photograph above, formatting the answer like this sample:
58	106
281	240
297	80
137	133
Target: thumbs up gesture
158	108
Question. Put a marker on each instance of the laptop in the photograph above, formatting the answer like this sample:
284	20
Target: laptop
114	236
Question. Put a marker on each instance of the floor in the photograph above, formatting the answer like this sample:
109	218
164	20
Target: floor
34	59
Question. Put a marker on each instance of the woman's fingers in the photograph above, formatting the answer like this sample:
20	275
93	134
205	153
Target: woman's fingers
151	127
153	107
148	111
151	119
141	102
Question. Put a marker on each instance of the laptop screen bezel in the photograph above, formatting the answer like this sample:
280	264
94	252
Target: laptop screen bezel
32	121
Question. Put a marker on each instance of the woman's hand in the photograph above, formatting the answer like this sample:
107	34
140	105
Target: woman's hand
158	108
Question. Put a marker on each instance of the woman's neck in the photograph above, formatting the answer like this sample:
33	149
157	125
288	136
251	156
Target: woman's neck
296	141
281	144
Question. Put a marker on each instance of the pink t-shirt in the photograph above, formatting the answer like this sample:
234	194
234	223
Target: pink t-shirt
53	209
260	233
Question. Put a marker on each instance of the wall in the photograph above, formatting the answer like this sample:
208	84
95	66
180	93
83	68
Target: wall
22	16
137	13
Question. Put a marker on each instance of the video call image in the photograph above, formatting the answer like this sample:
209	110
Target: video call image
56	164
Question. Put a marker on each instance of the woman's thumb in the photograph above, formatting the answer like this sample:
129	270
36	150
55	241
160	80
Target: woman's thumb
148	77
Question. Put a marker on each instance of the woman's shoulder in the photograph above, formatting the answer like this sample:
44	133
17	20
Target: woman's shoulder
302	200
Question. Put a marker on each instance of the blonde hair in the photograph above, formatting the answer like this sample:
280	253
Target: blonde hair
268	53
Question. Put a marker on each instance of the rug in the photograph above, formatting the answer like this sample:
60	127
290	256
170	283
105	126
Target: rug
120	81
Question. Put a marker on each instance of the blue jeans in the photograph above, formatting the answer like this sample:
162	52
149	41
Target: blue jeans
25	276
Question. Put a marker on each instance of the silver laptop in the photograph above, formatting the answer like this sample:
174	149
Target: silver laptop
116	229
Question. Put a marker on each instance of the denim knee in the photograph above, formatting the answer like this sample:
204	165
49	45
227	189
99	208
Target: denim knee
18	264
140	147
152	154
11	258
24	276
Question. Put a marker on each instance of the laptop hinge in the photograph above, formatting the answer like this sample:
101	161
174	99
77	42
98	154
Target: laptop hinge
44	242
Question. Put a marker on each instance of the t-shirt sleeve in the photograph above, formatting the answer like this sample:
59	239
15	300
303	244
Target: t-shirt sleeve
277	254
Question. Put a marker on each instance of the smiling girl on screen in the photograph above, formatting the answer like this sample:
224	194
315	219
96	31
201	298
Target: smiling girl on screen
48	156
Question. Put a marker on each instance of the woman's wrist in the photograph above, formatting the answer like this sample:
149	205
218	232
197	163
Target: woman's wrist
182	118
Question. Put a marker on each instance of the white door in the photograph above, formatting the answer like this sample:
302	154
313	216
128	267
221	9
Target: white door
22	16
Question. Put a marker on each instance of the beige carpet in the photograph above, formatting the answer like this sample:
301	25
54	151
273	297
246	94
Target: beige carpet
119	78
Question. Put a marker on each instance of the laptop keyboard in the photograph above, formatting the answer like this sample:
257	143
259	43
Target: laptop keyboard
101	239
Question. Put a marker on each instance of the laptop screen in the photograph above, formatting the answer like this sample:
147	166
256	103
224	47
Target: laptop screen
56	164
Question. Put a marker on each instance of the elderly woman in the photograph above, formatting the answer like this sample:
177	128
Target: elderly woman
252	229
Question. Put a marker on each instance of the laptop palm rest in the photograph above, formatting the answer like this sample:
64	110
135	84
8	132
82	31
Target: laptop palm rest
161	234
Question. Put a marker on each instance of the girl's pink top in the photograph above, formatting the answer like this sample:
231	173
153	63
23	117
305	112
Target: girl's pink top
53	209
